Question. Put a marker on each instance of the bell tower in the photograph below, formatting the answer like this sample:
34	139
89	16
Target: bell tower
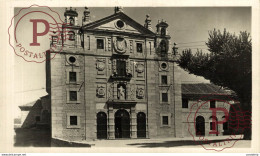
71	17
163	39
71	33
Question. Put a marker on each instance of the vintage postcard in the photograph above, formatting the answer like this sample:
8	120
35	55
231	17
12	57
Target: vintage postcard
129	76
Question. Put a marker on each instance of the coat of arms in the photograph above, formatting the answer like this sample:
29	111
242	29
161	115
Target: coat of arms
120	45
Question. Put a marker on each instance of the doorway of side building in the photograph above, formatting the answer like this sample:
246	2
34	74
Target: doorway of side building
101	125
141	125
122	124
200	126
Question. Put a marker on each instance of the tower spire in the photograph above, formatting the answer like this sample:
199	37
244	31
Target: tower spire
86	16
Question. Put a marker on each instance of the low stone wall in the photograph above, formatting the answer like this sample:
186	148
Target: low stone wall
55	142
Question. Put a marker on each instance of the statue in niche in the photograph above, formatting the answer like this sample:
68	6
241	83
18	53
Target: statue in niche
121	92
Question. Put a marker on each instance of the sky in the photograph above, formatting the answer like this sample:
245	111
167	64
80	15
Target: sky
188	27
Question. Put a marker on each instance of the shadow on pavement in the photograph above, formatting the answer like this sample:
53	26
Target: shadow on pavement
32	137
172	143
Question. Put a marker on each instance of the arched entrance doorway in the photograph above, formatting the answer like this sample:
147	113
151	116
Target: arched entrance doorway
200	126
141	125
122	124
101	125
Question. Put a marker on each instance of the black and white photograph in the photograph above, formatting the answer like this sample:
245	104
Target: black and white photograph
162	78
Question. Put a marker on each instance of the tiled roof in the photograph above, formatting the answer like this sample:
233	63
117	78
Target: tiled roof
202	89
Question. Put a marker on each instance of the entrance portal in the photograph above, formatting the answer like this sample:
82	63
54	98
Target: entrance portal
122	124
200	126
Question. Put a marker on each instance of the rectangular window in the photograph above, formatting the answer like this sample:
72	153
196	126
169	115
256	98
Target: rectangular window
73	120
88	41
73	95
139	47
211	125
185	103
150	47
100	44
72	76
164	79
212	104
165	120
164	97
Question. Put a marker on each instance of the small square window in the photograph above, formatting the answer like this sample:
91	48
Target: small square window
73	76
164	79
73	120
164	97
185	103
73	95
212	104
100	44
38	118
139	47
165	120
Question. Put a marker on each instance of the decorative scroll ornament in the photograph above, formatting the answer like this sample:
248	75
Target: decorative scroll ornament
129	67
101	91
140	93
101	65
120	45
139	68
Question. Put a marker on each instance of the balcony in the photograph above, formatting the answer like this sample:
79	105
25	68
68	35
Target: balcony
122	69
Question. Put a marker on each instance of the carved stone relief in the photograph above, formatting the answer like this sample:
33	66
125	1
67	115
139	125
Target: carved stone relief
101	92
140	93
101	64
139	67
120	45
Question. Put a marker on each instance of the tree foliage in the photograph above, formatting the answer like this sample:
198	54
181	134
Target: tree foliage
227	64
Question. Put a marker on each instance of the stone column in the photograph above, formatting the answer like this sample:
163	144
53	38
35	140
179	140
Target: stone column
115	91
133	127
111	123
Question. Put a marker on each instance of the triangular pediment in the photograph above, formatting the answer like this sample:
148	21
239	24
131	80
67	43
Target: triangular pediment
111	24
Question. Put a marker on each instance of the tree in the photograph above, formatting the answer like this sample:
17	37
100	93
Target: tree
227	64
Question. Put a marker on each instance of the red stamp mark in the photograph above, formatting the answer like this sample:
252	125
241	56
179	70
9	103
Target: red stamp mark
216	122
34	31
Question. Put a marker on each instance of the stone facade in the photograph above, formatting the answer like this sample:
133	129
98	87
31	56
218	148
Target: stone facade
114	78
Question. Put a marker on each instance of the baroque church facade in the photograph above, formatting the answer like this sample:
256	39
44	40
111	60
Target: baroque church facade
114	78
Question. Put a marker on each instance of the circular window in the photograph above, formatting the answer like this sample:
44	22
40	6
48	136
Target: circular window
72	59
120	24
164	65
